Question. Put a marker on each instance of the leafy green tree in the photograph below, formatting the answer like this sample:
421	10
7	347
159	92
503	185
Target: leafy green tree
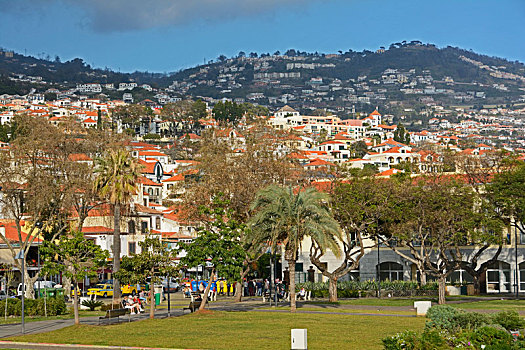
286	218
117	174
359	206
75	257
435	219
358	149
507	193
154	261
228	112
402	135
198	110
219	244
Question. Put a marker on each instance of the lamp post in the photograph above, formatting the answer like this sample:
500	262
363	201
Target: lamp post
378	271
168	285
20	256
516	275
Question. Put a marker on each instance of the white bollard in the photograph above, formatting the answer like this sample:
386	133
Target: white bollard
299	339
422	307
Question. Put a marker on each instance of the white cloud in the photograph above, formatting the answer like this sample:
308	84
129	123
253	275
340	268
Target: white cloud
126	15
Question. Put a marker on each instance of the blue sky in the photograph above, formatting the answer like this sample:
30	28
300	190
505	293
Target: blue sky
167	35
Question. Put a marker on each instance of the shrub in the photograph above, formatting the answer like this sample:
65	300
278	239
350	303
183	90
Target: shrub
470	320
92	304
510	320
34	307
492	338
410	340
443	317
401	341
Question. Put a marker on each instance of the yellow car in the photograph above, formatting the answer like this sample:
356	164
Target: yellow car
79	292
103	290
132	289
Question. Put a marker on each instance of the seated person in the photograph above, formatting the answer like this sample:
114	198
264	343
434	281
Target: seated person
138	304
302	294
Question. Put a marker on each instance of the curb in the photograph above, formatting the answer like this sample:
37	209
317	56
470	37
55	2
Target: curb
26	345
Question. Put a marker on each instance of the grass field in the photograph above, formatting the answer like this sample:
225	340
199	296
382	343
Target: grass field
239	330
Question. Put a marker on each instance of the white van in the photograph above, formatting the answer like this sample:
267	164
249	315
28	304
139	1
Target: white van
43	284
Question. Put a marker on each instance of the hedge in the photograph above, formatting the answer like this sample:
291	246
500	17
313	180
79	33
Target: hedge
355	289
34	307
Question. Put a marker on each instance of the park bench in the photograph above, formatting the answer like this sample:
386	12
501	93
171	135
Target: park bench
114	313
195	302
307	296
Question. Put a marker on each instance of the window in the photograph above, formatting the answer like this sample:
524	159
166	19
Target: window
157	223
298	267
131	226
498	277
143	226
132	246
391	271
460	276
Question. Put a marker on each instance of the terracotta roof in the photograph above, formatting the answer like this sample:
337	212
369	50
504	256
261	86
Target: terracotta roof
147	182
96	230
175	178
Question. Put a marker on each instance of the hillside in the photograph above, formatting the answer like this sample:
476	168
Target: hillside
406	74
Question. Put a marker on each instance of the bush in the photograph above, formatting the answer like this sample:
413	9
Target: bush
443	317
401	341
410	340
492	338
34	307
471	320
510	320
92	304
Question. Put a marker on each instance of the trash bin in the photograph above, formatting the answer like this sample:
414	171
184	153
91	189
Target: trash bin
157	298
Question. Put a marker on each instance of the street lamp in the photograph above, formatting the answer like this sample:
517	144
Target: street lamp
516	275
378	271
20	256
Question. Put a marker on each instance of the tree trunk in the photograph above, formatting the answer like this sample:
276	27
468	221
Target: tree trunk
332	289
291	267
29	282
422	277
116	250
66	282
75	304
152	300
441	282
238	292
207	291
477	284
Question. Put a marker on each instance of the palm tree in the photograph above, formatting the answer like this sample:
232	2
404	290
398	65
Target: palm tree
117	174
285	218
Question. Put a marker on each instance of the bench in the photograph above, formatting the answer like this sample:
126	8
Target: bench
307	296
115	313
195	302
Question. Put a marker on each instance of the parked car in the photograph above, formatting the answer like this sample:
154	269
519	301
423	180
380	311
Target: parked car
4	296
102	290
42	285
174	285
132	289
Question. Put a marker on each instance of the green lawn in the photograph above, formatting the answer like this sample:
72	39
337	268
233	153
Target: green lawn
333	308
238	330
518	305
372	302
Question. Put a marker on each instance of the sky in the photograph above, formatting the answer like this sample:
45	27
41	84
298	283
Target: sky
168	35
